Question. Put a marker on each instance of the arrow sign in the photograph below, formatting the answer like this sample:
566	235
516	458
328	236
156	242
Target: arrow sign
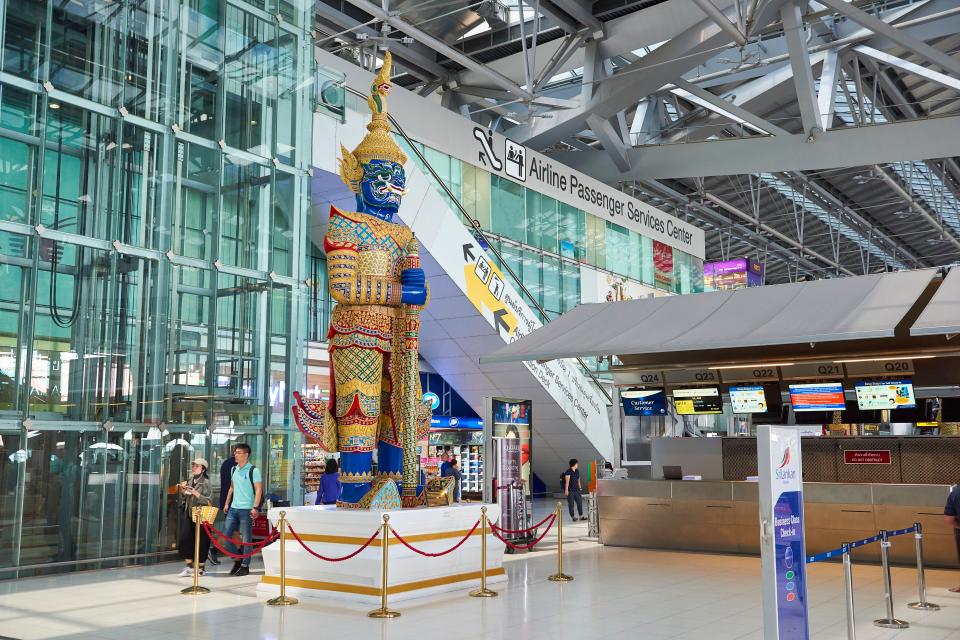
468	253
498	320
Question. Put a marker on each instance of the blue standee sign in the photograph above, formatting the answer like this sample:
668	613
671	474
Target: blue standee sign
783	552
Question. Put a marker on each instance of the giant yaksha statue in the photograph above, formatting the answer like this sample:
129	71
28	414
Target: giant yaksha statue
375	278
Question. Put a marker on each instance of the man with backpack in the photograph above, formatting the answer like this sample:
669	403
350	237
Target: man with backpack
242	504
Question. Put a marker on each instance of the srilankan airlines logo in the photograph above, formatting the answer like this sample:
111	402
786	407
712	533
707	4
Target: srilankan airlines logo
782	473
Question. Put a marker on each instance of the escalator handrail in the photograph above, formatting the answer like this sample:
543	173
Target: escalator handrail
478	231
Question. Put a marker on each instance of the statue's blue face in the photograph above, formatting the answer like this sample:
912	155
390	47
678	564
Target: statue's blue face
382	187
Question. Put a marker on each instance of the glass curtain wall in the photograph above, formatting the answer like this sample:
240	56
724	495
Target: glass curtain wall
153	200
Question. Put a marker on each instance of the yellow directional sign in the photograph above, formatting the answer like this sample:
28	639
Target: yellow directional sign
485	288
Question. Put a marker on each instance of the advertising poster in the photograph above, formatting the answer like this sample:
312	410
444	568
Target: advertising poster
511	419
885	394
599	286
737	273
748	399
663	264
782	548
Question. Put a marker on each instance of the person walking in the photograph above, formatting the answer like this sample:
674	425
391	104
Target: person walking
329	491
453	470
225	470
195	492
572	489
951	513
243	503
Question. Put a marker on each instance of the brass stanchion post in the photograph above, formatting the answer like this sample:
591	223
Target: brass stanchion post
196	589
560	576
483	592
383	611
283	599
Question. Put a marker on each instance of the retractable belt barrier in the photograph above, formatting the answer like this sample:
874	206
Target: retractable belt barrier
883	537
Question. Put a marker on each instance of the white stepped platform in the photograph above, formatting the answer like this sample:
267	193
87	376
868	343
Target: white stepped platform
335	533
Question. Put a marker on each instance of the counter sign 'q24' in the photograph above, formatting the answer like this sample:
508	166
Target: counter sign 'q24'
782	549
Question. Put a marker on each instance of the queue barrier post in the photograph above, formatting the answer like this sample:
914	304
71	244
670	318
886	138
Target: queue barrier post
560	576
283	600
890	622
921	579
483	592
196	589
383	611
848	592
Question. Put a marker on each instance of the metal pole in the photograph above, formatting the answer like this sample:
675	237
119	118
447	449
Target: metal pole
889	622
483	592
848	592
283	600
921	578
196	589
560	576
383	611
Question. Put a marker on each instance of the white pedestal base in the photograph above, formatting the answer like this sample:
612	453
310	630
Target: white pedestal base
334	533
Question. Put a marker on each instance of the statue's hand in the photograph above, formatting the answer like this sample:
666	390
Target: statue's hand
414	286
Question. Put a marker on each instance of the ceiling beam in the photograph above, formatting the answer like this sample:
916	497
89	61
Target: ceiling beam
442	47
910	67
550	10
727	108
851	147
827	93
945	62
721	21
579	11
800	63
916	206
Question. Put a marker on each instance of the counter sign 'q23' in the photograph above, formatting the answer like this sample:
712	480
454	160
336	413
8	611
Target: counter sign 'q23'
783	552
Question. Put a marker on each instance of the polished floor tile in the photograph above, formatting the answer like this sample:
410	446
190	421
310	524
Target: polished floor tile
617	593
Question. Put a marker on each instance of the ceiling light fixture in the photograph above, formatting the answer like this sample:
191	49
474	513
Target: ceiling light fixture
884	359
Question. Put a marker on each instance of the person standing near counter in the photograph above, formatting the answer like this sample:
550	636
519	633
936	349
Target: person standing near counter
951	513
572	489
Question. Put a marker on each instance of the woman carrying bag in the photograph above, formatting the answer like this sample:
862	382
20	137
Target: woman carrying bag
195	492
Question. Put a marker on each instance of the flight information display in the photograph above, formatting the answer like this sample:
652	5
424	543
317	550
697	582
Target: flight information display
748	399
695	402
820	396
885	394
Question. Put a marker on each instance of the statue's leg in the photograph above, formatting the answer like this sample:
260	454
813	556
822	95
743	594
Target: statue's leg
389	447
357	375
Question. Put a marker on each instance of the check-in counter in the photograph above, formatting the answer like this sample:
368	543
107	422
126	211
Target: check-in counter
723	517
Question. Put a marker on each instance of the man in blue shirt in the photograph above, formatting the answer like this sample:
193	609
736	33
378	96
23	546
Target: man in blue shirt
951	513
243	503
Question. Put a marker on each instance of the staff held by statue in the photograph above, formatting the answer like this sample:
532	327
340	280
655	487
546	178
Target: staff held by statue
411	322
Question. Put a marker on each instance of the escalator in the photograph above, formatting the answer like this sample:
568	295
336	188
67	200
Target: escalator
477	303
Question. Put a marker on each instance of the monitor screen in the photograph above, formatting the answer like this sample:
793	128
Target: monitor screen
644	402
820	396
750	399
885	394
692	402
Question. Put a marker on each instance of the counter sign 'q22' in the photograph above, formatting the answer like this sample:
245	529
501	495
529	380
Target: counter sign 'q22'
782	548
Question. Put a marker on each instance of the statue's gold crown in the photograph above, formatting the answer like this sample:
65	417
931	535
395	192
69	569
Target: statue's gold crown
378	144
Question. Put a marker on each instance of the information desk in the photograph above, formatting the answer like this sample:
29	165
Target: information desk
723	517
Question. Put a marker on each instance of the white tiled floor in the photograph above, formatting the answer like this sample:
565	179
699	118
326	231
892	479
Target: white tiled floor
617	593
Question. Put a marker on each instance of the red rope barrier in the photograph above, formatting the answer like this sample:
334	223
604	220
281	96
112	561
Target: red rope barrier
434	555
273	534
532	544
317	555
236	556
533	528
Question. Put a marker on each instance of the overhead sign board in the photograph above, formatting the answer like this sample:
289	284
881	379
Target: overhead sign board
693	376
638	378
879	368
764	373
812	371
782	548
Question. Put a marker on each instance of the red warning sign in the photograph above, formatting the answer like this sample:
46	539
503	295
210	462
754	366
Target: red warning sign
854	456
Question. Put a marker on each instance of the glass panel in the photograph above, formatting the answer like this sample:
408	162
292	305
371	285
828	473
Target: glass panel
71	355
646	261
531	277
617	248
188	374
250	67
24	50
284	467
238	387
13	460
198	178
571	286
135	501
134	205
145	85
14	307
508	216
280	309
541	221
63	495
291	92
572	232
596	241
285	207
85	37
476	194
552	293
245	215
201	53
17	160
